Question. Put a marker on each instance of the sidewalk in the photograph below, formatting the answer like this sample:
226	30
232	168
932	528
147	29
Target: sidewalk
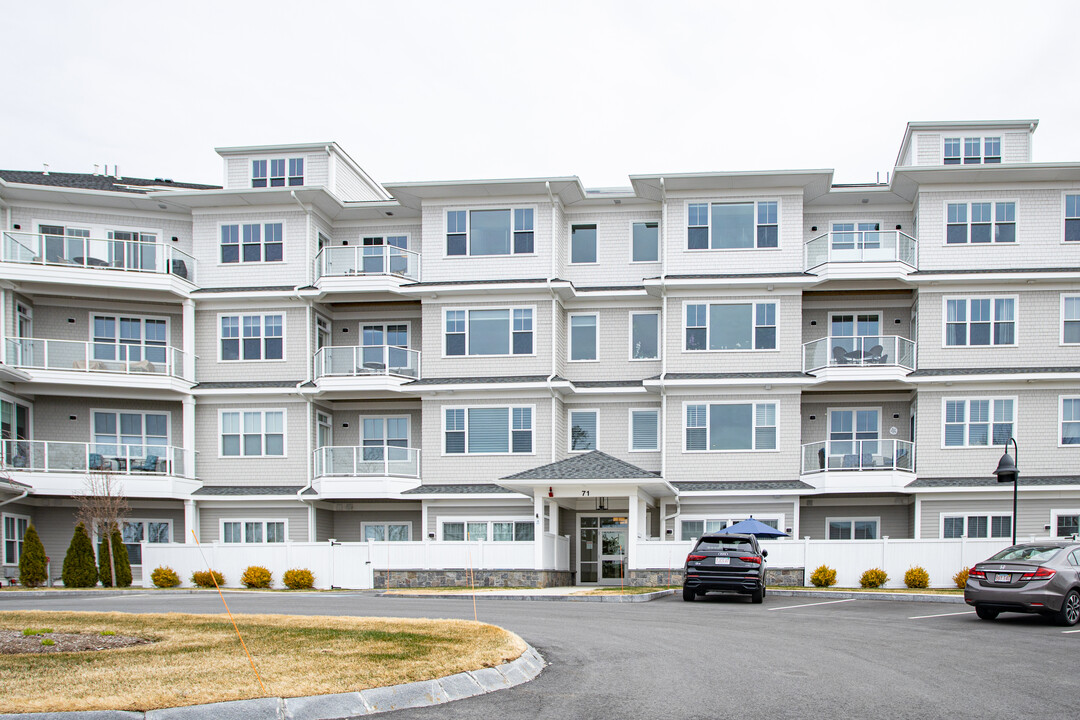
565	594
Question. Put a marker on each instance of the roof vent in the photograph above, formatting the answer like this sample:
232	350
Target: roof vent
96	169
46	166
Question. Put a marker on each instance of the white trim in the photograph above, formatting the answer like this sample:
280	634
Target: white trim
570	337
119	434
854	430
728	521
856	313
468	230
510	430
116	317
753	325
570	429
630	429
386	529
262	241
466	520
4	538
942	515
630	335
261	314
98	230
1064	217
1061	320
753	419
852	520
733	201
267	158
1061	421
989	422
1054	513
262	433
243	529
630	242
967	321
993	222
510	336
384	418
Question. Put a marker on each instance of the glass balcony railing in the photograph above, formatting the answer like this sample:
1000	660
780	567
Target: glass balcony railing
869	350
861	246
844	455
349	360
89	357
372	461
349	260
97	254
75	457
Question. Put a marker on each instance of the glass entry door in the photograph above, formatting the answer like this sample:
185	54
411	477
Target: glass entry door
602	549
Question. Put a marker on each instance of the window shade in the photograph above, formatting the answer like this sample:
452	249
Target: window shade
644	430
489	430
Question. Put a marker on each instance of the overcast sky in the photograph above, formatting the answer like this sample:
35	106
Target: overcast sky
451	90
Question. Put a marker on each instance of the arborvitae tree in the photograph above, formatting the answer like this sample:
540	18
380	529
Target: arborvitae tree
80	568
32	564
120	558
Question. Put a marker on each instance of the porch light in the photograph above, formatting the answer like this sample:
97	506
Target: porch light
1007	471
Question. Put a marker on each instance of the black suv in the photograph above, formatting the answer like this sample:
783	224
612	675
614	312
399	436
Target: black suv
725	563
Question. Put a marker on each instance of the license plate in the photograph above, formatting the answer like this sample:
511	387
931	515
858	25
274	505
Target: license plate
1003	577
723	561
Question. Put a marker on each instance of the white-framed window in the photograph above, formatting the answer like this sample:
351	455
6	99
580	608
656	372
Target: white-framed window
583	336
296	171
856	528
644	335
130	338
583	243
14	532
976	150
977	422
1065	523
490	232
644	429
983	321
386	532
488	430
730	326
980	223
140	530
1072	218
379	433
951	153
1070	422
253	242
1070	319
384	253
976	526
691	527
324	435
250	532
733	225
508	530
582	430
251	337
488	331
272	173
645	241
125	435
719	427
252	433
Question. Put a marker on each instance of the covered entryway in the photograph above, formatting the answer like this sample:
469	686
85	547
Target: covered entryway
601	549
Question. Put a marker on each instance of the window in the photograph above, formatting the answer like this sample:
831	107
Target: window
692	529
392	532
980	321
254	531
14	532
644	430
583	337
130	435
131	339
296	171
489	232
263	337
582	430
1066	522
140	531
277	172
1070	319
731	426
992	150
1070	421
1072	218
978	526
644	336
508	331
258	173
852	528
497	530
978	422
252	433
488	430
252	243
980	223
582	243
726	326
952	151
645	242
733	226
972	150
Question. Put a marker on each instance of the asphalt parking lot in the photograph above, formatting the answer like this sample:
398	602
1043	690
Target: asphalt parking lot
721	656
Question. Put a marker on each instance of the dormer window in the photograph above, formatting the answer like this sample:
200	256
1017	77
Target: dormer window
277	173
271	173
977	150
296	171
258	173
952	151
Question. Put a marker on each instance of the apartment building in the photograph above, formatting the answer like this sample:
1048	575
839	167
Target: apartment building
581	375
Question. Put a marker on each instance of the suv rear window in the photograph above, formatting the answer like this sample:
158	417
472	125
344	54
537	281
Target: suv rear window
1031	553
721	544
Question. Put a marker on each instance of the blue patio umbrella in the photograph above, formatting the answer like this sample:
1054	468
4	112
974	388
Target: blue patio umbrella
754	527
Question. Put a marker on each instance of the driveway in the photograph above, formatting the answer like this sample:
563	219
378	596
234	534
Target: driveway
719	656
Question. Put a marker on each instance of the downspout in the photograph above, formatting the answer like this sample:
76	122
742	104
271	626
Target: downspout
15	499
310	477
309	271
554	314
664	352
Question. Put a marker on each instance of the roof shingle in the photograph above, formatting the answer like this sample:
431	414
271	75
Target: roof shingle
593	465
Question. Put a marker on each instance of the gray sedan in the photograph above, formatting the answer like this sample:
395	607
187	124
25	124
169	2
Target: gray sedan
1039	578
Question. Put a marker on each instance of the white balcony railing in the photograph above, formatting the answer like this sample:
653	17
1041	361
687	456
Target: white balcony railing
89	357
349	260
845	455
374	461
866	350
74	457
351	360
97	254
861	246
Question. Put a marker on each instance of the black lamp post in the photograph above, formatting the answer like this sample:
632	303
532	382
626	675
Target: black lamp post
1008	472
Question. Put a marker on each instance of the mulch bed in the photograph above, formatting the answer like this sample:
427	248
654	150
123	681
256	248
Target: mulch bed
13	642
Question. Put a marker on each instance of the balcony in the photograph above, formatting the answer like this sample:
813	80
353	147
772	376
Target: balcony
77	362
106	261
356	472
383	267
858	465
366	367
873	357
861	254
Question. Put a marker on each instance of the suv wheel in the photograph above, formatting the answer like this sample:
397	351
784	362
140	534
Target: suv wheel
1070	609
688	594
758	596
985	613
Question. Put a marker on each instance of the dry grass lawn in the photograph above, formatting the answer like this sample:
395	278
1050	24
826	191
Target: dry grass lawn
197	658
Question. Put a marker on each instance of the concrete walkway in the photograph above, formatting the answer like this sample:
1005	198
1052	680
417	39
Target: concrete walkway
565	594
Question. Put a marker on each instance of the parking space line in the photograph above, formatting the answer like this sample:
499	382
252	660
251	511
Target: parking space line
923	617
1067	632
827	602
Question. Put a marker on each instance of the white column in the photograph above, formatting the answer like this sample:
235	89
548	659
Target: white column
554	518
187	439
189	339
191	521
796	516
632	528
538	537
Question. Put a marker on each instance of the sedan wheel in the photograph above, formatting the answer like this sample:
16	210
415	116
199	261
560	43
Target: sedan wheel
1070	609
986	613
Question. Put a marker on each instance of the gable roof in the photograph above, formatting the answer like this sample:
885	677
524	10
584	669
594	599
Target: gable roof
593	465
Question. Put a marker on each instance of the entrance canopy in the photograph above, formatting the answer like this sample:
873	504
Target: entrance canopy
590	474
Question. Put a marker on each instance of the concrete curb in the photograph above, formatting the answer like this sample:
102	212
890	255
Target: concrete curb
883	595
60	594
643	597
333	707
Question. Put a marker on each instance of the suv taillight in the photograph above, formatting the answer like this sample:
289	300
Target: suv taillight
695	557
751	559
976	573
1043	573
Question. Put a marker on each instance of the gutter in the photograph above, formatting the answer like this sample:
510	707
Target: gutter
554	317
15	499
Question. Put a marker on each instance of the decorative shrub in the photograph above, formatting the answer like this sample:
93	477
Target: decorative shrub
298	579
80	567
206	578
873	578
47	641
824	576
917	577
164	577
32	562
257	576
120	558
960	578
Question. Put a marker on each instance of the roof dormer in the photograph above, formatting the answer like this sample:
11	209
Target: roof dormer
279	167
966	143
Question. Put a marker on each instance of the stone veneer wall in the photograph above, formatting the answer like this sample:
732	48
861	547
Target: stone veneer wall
787	577
482	578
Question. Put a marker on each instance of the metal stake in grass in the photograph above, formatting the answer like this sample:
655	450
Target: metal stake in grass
472	579
227	610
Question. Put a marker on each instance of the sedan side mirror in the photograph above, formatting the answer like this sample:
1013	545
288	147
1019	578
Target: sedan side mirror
764	553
